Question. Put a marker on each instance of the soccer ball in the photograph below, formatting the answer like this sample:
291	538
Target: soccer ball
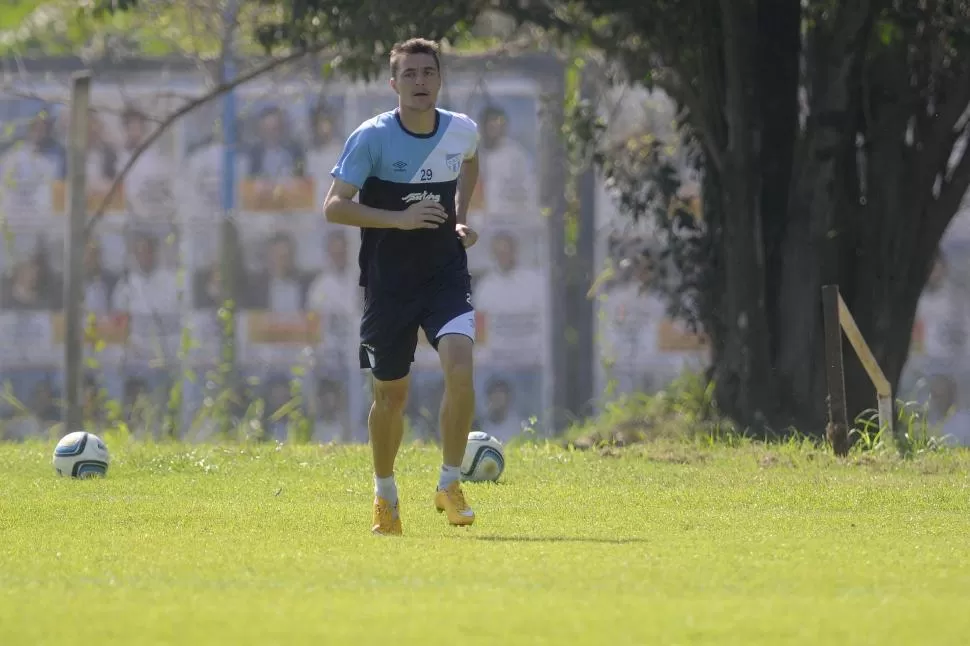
81	455
484	458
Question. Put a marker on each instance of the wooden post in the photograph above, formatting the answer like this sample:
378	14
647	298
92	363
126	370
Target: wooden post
838	427
75	243
884	394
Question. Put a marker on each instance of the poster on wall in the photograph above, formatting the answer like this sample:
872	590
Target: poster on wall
937	371
297	295
508	187
639	346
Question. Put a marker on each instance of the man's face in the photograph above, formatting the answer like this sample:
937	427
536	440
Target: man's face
280	260
494	130
133	392
134	130
504	251
337	250
43	397
498	404
95	130
28	274
90	395
328	401
271	129
39	130
644	271
417	81
145	254
92	259
942	393
279	395
324	129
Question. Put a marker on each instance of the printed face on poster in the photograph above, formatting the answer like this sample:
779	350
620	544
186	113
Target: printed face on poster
639	345
36	394
33	163
329	409
511	296
290	141
507	401
31	297
508	187
150	290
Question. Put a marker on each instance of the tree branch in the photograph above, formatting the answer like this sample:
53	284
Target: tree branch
168	121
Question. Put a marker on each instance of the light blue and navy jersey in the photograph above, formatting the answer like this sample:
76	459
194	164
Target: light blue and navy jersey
393	168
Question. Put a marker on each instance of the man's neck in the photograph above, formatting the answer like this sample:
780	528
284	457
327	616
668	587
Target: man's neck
420	123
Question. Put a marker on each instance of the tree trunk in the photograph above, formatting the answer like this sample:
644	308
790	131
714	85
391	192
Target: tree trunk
788	222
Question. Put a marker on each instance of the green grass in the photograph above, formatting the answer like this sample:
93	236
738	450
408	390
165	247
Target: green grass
670	543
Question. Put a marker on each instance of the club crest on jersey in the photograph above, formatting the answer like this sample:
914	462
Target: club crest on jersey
421	195
453	162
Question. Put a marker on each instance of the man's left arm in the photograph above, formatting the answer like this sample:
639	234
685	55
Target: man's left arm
467	181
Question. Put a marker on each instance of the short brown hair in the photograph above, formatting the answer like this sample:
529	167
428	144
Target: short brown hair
414	46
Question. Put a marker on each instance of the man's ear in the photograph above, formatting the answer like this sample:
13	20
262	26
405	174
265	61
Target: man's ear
393	85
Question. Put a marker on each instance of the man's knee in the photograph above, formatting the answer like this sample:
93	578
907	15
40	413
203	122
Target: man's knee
391	396
455	351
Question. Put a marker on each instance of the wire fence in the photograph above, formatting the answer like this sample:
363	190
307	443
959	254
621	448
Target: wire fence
153	265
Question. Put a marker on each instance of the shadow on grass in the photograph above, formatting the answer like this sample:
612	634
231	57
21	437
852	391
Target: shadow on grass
558	539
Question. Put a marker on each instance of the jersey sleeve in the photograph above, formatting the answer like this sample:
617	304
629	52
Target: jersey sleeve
473	136
359	157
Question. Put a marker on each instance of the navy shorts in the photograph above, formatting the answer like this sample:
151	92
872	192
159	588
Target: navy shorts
389	326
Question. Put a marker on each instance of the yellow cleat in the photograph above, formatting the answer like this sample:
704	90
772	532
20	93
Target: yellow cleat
387	518
452	501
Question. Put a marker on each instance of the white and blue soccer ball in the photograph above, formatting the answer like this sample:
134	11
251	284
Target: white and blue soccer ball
484	458
81	455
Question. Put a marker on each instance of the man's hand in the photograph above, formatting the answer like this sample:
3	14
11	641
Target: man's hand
422	215
467	234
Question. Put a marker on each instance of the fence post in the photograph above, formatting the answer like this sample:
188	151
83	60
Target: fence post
838	319
838	427
75	242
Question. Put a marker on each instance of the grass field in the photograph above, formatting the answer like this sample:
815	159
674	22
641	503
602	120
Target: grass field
665	544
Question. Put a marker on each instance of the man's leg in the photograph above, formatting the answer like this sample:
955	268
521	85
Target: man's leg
385	425
454	341
458	403
387	350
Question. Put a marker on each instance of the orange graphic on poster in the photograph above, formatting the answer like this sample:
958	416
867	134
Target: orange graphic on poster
288	328
287	195
110	329
94	198
672	337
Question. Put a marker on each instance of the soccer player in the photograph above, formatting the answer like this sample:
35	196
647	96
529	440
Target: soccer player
414	168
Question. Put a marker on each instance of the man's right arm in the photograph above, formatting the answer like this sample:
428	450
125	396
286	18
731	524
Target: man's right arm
339	207
357	162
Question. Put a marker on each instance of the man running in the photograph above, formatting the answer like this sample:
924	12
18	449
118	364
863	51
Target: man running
414	168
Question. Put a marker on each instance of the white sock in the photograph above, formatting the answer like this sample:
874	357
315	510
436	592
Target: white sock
386	488
448	475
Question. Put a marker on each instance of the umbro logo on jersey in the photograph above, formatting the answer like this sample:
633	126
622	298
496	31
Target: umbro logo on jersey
422	195
400	166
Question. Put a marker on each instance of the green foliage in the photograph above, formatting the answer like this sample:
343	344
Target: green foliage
686	413
360	31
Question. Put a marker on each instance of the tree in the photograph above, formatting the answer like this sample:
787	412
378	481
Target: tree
859	193
855	186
